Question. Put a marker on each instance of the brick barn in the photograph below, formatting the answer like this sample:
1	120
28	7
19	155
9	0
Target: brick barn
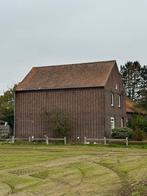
91	94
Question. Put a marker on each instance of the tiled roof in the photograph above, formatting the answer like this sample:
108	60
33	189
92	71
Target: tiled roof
93	74
132	107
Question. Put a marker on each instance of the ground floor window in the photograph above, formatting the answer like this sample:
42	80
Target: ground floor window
112	120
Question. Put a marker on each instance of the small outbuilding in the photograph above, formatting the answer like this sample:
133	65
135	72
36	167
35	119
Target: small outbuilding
90	94
4	129
133	109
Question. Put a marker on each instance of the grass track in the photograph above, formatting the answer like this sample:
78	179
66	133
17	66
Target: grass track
59	170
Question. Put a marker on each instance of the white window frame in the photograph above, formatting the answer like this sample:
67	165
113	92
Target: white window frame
112	121
119	101
112	99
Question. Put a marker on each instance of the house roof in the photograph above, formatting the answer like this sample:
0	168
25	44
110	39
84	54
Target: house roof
93	74
132	107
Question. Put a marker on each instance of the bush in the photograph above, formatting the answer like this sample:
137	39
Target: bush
122	133
138	122
59	123
139	135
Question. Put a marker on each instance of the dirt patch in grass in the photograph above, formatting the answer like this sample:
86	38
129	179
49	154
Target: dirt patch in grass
72	170
5	189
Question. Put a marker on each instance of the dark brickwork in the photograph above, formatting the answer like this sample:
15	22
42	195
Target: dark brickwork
89	109
84	107
114	85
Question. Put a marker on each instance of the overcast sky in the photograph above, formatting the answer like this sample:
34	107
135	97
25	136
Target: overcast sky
46	32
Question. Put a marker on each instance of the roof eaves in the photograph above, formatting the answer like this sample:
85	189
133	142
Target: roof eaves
90	62
65	88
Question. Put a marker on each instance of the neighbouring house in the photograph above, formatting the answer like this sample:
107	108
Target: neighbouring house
132	109
4	129
91	94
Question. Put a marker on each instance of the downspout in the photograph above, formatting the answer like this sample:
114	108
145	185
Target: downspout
104	112
14	115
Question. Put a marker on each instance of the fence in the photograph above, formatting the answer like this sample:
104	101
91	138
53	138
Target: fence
105	140
32	139
111	140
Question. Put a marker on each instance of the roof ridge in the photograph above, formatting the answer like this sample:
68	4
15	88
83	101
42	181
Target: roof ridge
60	65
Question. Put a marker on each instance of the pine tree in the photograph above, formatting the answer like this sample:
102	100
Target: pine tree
143	88
131	78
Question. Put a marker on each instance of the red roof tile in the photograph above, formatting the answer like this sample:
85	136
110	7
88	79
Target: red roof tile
94	74
132	107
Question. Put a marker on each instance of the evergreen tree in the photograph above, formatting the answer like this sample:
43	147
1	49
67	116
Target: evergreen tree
131	77
143	88
135	82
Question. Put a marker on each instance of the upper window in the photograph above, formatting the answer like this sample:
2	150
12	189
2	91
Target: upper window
116	86
112	99
119	101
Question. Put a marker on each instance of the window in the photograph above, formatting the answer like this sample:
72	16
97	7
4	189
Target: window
112	120
112	99
119	101
116	87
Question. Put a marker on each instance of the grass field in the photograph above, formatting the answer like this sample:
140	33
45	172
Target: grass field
59	170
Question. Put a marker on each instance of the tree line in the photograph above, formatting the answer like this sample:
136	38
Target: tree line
7	106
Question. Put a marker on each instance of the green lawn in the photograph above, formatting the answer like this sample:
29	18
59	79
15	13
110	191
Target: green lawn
59	170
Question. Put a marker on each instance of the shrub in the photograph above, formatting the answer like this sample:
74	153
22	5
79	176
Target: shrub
138	122
122	133
139	135
59	123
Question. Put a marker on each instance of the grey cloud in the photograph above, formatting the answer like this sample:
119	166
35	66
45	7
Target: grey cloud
35	32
